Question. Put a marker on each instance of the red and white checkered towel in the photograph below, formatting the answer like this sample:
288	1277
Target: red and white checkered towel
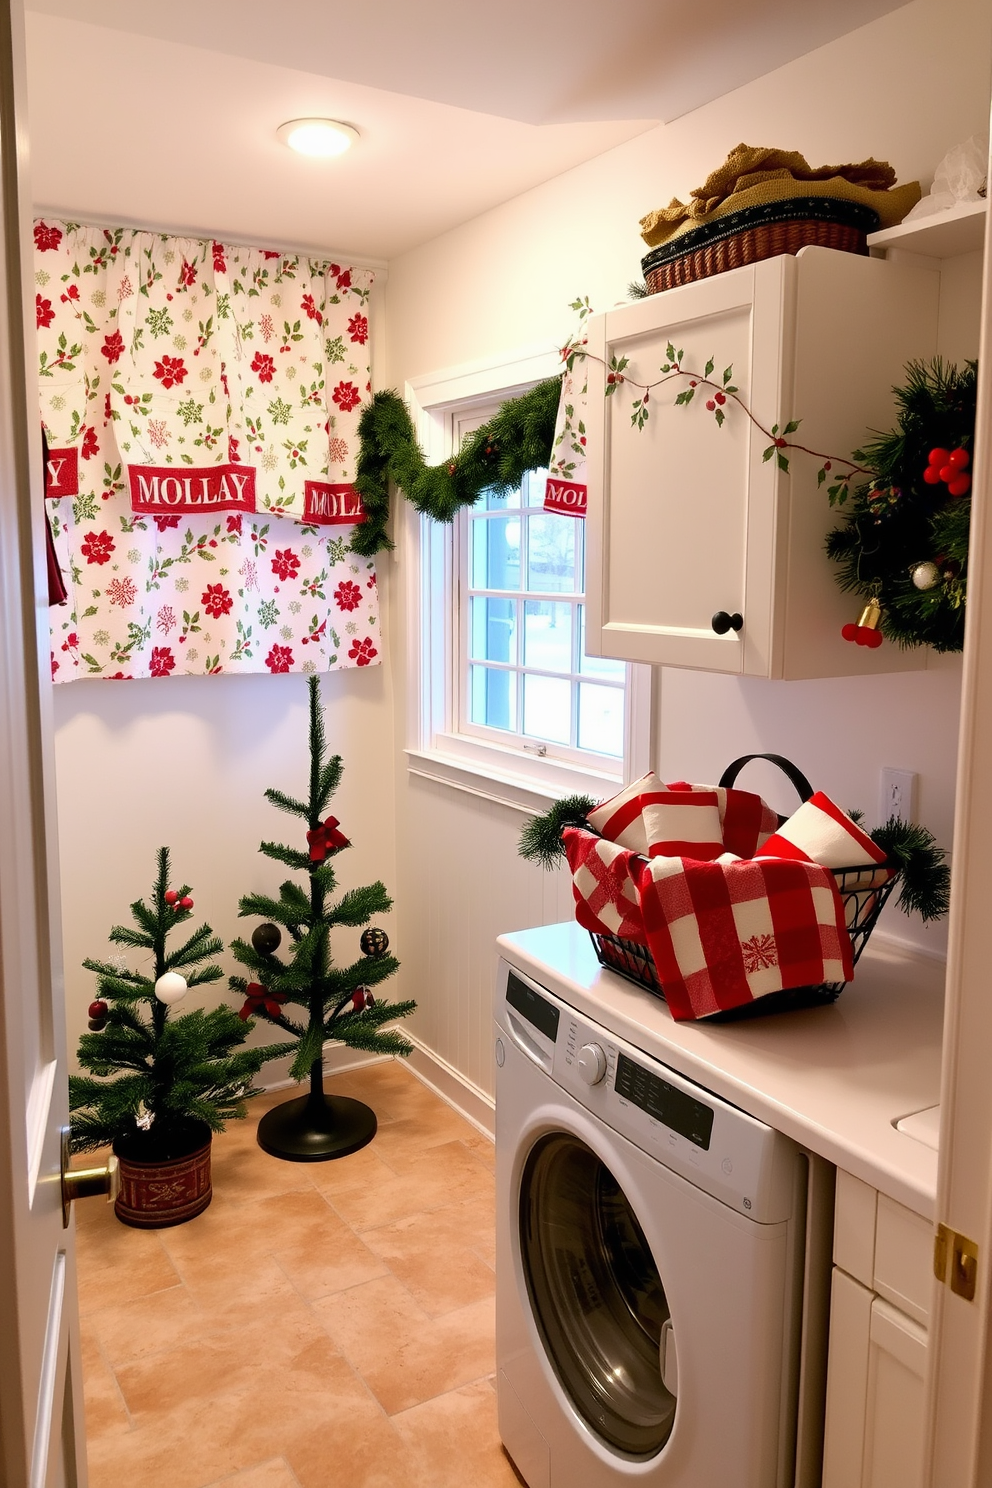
697	821
605	884
724	933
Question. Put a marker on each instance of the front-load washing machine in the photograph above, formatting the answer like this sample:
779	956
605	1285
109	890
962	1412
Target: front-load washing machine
650	1259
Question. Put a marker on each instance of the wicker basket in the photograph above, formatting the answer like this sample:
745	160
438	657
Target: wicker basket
759	232
862	896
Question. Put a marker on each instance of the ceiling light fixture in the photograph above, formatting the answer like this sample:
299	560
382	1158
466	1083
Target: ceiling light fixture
318	138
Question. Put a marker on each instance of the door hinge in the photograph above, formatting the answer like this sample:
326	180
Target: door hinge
955	1261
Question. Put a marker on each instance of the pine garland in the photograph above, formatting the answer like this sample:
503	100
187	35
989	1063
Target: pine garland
925	878
494	458
152	1073
897	522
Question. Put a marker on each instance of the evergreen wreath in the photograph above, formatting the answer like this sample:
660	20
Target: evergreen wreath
904	537
494	458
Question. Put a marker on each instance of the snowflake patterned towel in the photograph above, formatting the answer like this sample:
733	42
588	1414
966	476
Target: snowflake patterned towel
820	832
725	933
604	882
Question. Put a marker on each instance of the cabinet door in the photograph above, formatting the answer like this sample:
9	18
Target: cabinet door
895	1415
682	516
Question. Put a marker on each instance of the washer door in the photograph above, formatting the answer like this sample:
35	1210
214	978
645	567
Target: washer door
595	1294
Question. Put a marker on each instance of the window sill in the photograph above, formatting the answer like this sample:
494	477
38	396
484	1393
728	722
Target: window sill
500	775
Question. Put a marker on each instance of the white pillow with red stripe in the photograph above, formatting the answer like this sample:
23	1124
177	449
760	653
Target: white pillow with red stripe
820	832
682	820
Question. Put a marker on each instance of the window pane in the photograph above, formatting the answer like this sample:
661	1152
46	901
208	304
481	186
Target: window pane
494	697
601	719
551	554
493	630
548	635
489	501
532	488
548	709
597	666
496	553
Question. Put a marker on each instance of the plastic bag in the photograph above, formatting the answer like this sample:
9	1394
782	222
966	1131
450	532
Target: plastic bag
960	177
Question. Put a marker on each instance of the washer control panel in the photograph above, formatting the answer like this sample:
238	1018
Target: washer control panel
733	1156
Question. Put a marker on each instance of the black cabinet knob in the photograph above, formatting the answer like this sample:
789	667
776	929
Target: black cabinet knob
722	622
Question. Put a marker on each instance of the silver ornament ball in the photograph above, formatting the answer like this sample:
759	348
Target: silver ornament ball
926	575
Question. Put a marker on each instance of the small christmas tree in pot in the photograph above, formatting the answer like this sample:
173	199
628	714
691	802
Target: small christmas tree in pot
338	1001
159	1084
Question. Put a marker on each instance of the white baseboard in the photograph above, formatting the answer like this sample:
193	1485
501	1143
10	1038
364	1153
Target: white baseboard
436	1073
337	1059
452	1086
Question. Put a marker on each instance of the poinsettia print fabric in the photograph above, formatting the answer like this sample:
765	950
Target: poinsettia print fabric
201	404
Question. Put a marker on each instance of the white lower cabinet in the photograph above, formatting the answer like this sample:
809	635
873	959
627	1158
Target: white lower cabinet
877	1350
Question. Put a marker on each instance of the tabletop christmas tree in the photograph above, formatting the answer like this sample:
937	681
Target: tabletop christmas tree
159	1084
337	1001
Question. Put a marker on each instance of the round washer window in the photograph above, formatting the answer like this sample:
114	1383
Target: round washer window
596	1294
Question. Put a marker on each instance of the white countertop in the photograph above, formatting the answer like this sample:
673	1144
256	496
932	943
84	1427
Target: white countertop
836	1079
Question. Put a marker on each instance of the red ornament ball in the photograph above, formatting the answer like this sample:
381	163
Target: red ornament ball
171	896
872	638
947	473
185	902
98	1009
850	631
958	459
932	475
960	485
939	457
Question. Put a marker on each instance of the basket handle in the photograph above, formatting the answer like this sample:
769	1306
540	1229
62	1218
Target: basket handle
791	771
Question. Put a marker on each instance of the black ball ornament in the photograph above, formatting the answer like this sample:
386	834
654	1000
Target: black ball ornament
266	938
374	942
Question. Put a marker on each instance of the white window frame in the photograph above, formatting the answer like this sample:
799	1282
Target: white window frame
513	774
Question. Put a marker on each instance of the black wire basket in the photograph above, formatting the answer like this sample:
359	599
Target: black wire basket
863	891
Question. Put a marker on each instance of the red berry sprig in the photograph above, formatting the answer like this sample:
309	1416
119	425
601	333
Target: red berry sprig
949	466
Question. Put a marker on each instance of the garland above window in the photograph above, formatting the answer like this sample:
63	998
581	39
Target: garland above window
494	458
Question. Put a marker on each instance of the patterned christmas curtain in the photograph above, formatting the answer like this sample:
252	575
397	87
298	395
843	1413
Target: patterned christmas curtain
201	406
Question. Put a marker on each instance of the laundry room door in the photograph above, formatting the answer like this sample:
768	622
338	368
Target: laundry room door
41	1443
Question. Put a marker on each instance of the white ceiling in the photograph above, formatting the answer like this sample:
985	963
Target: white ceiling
165	115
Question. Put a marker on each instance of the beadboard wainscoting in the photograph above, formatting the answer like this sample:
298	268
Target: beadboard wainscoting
462	885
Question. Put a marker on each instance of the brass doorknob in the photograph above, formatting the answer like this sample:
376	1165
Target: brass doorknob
83	1183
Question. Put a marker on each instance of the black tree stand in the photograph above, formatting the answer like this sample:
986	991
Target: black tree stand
316	1127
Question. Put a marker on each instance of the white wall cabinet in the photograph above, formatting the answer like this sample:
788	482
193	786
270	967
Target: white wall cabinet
687	519
876	1362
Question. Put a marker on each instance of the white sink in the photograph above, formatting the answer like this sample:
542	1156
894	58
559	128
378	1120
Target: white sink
922	1126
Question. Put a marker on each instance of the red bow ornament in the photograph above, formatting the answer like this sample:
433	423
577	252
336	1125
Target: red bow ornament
325	838
259	999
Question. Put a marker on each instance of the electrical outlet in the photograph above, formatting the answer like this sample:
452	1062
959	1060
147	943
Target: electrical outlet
898	795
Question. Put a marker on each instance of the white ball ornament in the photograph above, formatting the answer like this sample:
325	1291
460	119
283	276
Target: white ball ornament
925	575
170	988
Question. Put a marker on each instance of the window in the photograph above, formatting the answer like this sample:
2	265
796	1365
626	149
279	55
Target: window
509	706
523	675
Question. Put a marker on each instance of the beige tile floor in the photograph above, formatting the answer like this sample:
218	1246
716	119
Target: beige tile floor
321	1325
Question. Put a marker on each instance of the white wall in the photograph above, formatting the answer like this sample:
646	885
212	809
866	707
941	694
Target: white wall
905	88
185	764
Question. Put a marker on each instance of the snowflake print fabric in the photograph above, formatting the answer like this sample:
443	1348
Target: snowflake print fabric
200	495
